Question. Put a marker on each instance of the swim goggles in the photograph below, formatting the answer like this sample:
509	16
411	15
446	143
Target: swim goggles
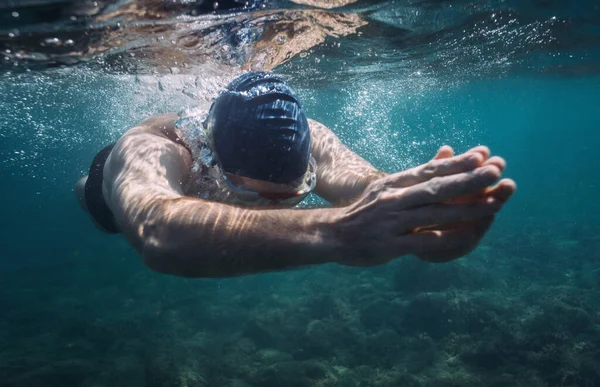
294	196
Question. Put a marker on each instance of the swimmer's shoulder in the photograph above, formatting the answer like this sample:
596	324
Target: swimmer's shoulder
162	125
130	154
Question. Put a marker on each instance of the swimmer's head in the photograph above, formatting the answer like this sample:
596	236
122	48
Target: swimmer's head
259	130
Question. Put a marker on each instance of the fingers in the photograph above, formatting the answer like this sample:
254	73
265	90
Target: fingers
437	167
444	188
497	161
444	152
439	215
446	245
502	191
481	149
444	163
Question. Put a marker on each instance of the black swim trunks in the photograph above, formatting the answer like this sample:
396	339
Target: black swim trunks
93	193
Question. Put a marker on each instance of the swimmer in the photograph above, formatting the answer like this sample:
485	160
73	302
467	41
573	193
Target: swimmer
216	195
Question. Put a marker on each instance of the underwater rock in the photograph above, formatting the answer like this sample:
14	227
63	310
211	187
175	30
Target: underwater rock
63	372
382	349
188	377
321	338
380	314
417	276
323	306
160	370
272	356
493	353
439	314
259	334
289	374
397	379
318	336
422	354
126	370
560	317
238	383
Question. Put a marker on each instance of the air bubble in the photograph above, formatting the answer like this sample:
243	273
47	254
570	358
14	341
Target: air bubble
52	42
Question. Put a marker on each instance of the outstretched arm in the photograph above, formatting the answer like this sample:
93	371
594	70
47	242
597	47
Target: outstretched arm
191	237
342	175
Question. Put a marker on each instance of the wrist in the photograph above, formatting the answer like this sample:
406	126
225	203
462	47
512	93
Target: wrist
374	176
360	185
332	243
325	227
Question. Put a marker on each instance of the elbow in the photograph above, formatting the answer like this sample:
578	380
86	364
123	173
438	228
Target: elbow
156	248
158	262
164	252
169	246
167	262
155	254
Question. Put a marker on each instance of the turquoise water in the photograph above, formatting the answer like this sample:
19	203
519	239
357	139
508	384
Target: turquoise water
80	309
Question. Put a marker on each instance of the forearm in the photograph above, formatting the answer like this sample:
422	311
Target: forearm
342	174
194	238
346	186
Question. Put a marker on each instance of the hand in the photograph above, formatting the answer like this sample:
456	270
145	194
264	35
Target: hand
438	211
469	232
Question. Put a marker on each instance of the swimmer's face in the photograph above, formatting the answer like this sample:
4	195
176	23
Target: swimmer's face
265	190
253	192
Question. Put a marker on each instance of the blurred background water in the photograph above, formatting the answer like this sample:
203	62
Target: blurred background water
395	80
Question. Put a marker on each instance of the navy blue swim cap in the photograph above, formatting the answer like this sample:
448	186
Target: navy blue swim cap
259	129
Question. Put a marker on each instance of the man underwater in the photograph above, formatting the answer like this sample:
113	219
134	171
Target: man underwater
214	197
